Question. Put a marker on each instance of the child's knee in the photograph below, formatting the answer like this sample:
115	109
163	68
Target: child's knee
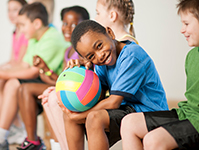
93	120
130	122
151	142
12	84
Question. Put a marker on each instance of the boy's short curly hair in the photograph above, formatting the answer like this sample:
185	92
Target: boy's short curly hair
34	11
191	6
83	28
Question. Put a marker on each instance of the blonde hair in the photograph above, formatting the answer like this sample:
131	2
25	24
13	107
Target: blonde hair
126	10
49	4
191	6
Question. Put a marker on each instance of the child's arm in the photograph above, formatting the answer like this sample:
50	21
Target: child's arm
22	71
112	102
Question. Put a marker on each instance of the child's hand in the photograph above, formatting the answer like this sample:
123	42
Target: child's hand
72	63
75	116
38	62
45	94
78	62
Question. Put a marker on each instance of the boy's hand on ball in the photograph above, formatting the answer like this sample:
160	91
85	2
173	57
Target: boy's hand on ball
72	63
79	62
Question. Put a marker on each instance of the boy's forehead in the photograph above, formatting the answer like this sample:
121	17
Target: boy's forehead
90	36
187	15
23	17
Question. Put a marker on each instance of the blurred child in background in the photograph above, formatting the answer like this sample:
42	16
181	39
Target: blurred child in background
49	4
70	16
19	46
118	15
45	42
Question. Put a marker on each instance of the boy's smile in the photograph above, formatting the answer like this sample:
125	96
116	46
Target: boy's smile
98	48
190	28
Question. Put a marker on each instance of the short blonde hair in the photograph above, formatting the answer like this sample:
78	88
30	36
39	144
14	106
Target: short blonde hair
191	6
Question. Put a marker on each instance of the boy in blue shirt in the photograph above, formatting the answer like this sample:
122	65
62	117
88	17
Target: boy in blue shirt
179	127
131	77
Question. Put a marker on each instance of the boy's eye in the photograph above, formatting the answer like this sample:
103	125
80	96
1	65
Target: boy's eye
65	24
90	57
99	45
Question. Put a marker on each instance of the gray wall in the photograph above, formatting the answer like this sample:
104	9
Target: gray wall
157	28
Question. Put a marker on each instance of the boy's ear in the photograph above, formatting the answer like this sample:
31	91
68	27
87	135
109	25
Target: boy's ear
113	16
110	32
37	23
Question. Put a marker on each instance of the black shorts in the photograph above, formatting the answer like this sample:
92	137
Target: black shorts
37	80
116	116
183	131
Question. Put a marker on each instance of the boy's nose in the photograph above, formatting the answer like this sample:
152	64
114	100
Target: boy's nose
182	30
100	56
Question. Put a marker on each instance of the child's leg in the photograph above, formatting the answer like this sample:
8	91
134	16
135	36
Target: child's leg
28	93
74	134
2	83
133	129
55	117
146	126
160	139
97	122
10	106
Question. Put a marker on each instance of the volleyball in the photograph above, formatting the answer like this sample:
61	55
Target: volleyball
78	89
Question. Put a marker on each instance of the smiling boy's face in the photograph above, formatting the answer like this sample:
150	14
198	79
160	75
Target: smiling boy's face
190	28
98	48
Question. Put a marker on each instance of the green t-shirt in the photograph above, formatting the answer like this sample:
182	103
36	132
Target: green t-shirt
190	109
51	48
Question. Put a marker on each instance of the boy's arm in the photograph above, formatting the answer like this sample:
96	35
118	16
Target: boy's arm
23	71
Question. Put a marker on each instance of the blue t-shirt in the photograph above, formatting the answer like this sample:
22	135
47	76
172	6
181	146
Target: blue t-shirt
135	77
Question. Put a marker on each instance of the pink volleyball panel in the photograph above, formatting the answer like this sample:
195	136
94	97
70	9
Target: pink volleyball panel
86	85
92	91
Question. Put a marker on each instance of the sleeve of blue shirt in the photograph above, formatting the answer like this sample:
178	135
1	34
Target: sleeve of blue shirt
130	75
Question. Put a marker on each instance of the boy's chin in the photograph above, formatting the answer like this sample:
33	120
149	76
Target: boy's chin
193	45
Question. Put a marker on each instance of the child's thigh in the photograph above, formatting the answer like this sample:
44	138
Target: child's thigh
183	131
116	116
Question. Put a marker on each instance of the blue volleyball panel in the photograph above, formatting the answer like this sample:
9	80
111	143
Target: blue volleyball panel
66	102
79	70
96	98
74	101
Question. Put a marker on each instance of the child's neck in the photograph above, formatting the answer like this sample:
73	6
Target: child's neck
40	32
119	31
